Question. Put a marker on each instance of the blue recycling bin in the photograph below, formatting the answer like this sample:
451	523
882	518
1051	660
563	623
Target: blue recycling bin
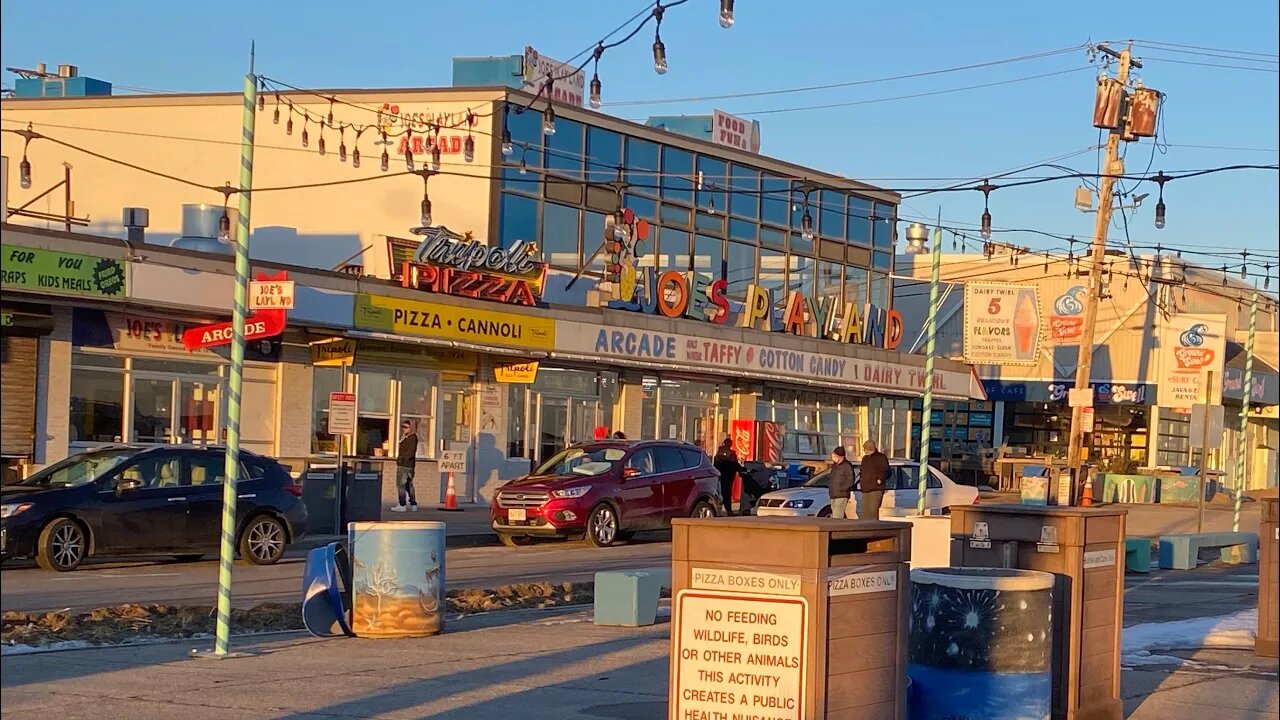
979	644
397	585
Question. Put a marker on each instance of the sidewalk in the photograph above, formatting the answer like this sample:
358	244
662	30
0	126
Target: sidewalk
535	665
468	527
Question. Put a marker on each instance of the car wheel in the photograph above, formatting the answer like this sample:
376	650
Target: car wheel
602	526
514	540
825	512
62	546
263	540
703	510
191	557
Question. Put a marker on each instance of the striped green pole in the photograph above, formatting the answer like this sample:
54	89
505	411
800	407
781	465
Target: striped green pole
1242	452
226	553
931	332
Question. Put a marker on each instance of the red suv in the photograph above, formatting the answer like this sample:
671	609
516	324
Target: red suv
607	491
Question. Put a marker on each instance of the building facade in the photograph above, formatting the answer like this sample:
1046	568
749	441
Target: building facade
754	290
1138	421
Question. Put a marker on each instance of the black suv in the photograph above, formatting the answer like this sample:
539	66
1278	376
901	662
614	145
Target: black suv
166	500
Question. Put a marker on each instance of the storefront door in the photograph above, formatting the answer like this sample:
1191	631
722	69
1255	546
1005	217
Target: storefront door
563	422
175	409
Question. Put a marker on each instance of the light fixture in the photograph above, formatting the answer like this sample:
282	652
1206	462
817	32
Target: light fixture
435	153
24	172
1244	265
1266	282
224	222
469	148
917	235
507	147
288	127
330	111
986	187
426	200
659	49
595	77
524	168
408	149
1160	179
549	120
806	224
726	14
355	156
306	119
320	140
386	160
275	116
342	144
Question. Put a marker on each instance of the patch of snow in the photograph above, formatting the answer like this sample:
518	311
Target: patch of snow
1235	631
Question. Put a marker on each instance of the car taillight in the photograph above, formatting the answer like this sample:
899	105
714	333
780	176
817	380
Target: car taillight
293	489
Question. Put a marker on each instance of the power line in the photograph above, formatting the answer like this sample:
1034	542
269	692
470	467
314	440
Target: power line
851	83
1212	65
1207	49
1218	55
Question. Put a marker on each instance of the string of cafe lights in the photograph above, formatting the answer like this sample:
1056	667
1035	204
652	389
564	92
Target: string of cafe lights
806	227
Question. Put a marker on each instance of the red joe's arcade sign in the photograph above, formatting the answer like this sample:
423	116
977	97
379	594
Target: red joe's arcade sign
459	265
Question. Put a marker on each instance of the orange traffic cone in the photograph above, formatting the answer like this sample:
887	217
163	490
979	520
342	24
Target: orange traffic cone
451	497
1086	497
735	495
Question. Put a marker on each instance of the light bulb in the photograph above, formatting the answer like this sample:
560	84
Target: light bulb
24	173
726	14
426	212
1160	214
342	151
408	160
469	149
659	56
435	156
524	169
986	224
262	102
507	147
305	141
806	226
275	116
224	226
288	127
320	144
386	161
549	121
355	157
595	92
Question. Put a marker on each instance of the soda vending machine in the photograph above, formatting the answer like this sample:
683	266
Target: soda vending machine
758	441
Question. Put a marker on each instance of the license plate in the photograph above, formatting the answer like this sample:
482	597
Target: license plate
515	515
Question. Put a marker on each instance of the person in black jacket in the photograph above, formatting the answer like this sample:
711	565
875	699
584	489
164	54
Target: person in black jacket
875	473
406	456
840	483
726	463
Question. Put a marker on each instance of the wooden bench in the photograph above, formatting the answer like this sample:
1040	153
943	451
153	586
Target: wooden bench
629	598
1137	555
1179	552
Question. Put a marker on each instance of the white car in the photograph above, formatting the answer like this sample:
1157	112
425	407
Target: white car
900	494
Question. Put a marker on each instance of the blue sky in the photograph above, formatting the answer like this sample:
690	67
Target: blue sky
773	45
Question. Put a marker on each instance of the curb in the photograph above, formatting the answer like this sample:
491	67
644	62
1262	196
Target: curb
460	540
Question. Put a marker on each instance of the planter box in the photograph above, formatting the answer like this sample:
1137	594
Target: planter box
1129	488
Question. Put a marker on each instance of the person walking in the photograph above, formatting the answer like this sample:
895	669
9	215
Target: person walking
875	473
840	483
726	463
406	456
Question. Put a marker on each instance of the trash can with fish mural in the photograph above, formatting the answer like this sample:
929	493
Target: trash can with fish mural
398	578
979	644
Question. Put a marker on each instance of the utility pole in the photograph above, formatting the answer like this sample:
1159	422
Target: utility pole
1097	253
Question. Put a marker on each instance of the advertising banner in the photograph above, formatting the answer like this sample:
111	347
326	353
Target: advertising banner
1066	322
1191	346
569	81
735	132
451	322
1001	324
625	346
61	273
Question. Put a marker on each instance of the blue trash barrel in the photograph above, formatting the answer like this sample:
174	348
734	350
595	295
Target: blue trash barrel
979	644
397	578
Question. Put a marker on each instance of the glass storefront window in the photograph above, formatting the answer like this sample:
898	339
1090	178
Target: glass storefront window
97	404
856	290
418	404
324	380
519	219
830	276
801	278
604	154
708	256
564	149
879	292
560	236
593	234
746	202
374	437
455	416
882	230
672	249
775	200
859	215
773	272
831	216
713	175
677	175
740	262
152	410
642	166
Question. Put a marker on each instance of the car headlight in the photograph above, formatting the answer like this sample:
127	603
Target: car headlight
799	504
573	492
9	510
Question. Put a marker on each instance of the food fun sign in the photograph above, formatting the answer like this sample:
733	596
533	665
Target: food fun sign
697	296
1191	346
